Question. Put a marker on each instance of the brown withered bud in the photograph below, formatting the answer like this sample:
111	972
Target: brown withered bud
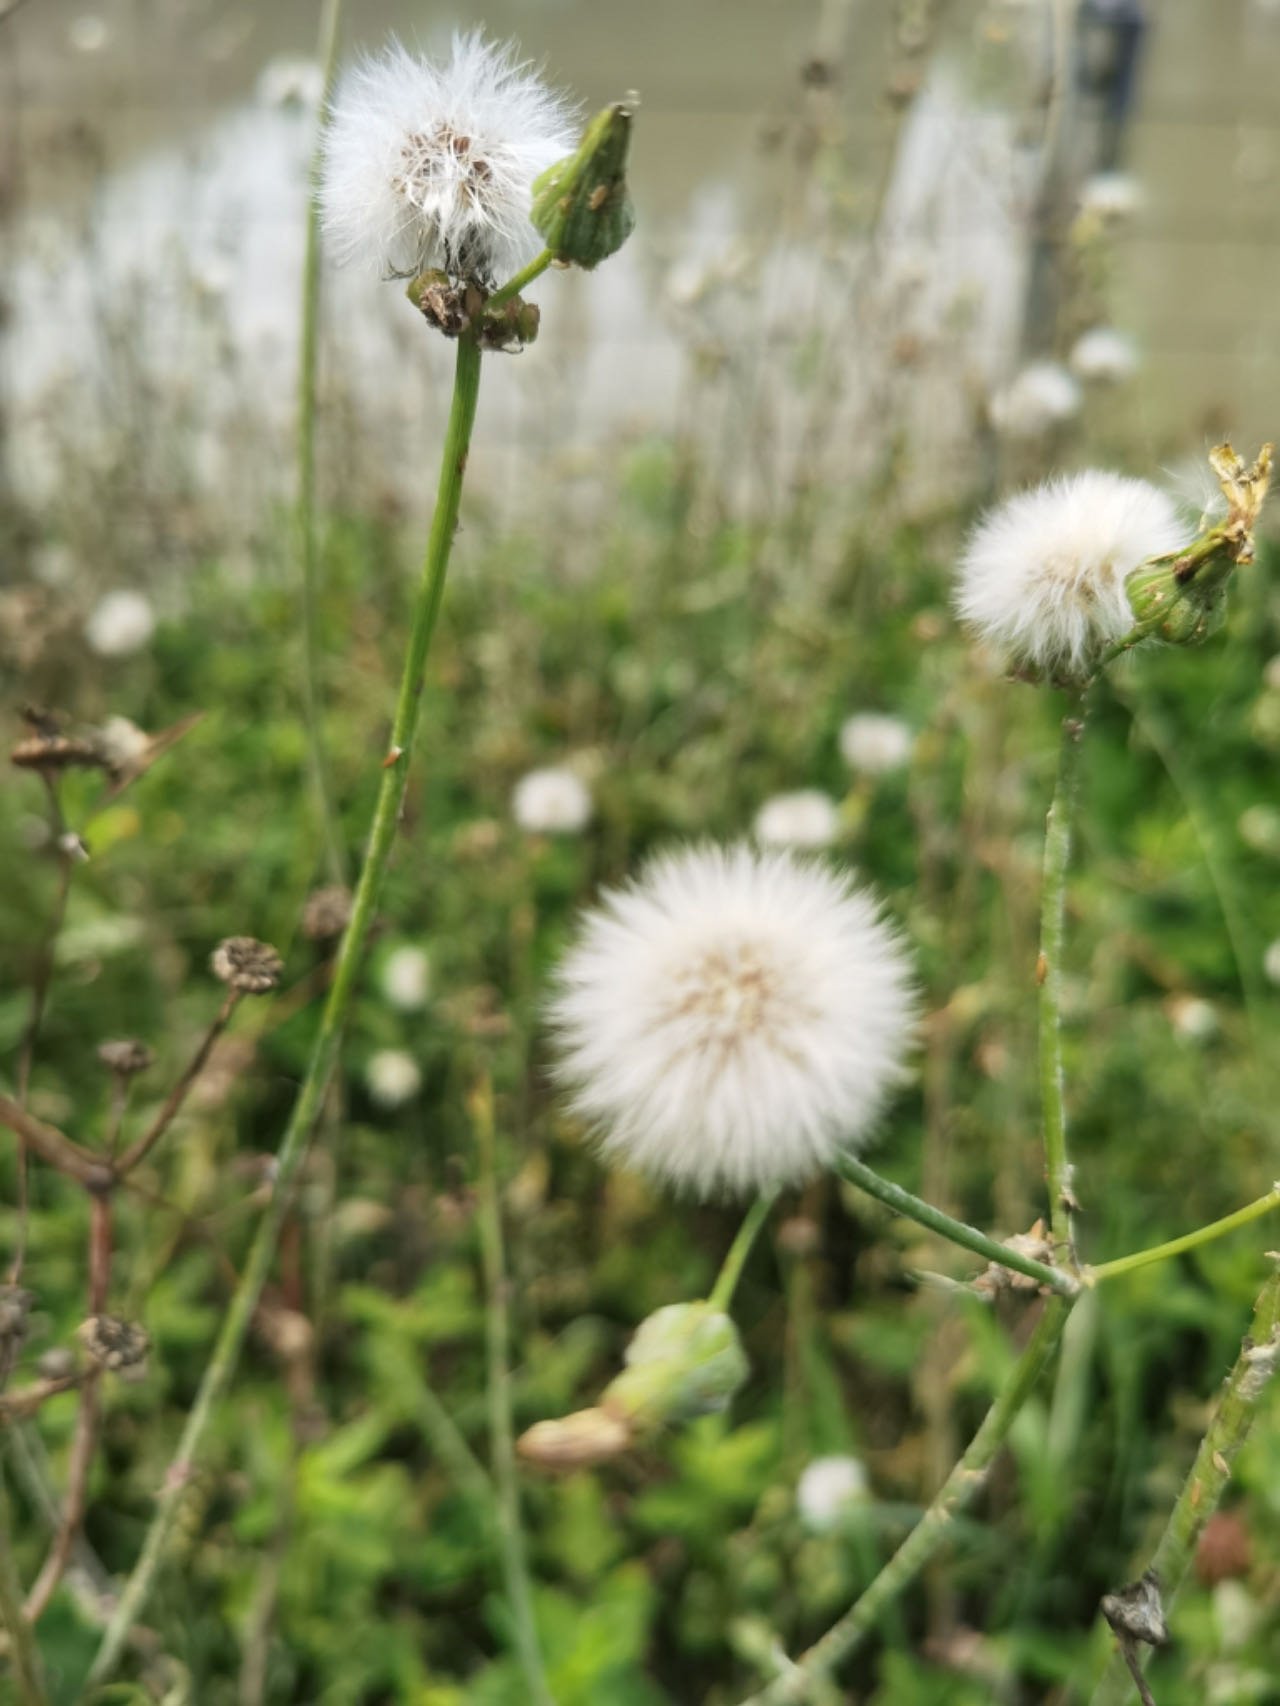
247	965
52	752
576	1441
327	912
510	326
1035	1244
443	304
1136	1612
57	1363
118	1346
1225	1549
126	1057
15	1306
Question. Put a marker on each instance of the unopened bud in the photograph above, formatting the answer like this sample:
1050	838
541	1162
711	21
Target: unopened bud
581	206
686	1360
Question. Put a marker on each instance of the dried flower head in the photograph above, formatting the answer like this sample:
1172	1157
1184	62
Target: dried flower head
807	819
1104	356
875	744
120	1346
827	1490
327	912
430	165
15	1306
732	1020
1039	398
247	965
551	802
121	623
125	1057
1043	575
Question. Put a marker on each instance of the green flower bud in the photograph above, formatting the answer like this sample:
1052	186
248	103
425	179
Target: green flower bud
684	1361
581	206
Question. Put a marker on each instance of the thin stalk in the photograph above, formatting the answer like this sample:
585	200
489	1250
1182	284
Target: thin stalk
931	1532
305	511
514	286
1053	911
721	1295
1189	1240
515	1565
968	1237
24	1660
1259	1359
324	1054
142	1147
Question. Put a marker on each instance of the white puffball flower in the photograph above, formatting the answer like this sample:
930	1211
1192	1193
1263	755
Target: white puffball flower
552	802
120	623
1043	574
1037	399
732	1020
1104	356
1111	195
393	1077
122	743
1193	1017
807	819
406	979
291	82
827	1490
432	165
875	744
1271	962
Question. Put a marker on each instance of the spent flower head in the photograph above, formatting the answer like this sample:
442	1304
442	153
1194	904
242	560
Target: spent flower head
807	819
1104	356
732	1020
406	978
120	624
553	801
393	1077
828	1489
1040	397
874	744
432	164
1043	576
246	965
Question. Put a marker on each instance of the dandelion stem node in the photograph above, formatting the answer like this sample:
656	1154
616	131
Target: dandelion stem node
498	323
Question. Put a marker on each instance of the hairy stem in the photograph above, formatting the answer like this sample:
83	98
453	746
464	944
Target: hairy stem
731	1271
1053	910
515	1565
324	1054
1258	1361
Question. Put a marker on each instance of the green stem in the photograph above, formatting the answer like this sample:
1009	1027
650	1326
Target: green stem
722	1291
305	513
514	286
1258	1360
1189	1240
931	1532
24	1660
1053	907
324	1054
893	1196
515	1566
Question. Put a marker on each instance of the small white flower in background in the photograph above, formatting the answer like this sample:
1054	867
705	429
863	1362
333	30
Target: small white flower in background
406	979
1271	962
807	819
733	1020
1111	195
552	802
432	165
288	82
1192	1017
393	1077
827	1490
875	744
1259	828
1043	574
119	624
1042	396
1104	355
122	743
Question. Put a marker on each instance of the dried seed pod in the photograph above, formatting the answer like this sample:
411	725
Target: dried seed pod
116	1345
49	752
15	1306
125	1056
327	912
247	965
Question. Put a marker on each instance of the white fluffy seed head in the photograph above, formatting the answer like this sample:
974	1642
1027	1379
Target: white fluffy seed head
430	165
827	1490
732	1020
875	744
406	978
1111	195
1039	398
120	623
393	1077
807	819
1043	575
1104	356
551	802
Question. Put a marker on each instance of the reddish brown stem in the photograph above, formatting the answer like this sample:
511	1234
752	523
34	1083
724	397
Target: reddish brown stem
26	1400
55	1147
142	1146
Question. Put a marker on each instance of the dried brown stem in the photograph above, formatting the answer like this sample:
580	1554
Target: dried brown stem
142	1146
55	1147
26	1400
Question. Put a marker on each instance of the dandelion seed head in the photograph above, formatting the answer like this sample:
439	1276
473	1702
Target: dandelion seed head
120	623
1104	355
1111	195
827	1489
553	801
393	1077
806	819
122	743
1041	397
875	744
732	1020
432	165
406	979
1043	575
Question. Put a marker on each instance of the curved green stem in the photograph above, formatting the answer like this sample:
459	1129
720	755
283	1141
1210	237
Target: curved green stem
526	275
305	509
931	1532
721	1295
1189	1240
1053	907
324	1054
968	1237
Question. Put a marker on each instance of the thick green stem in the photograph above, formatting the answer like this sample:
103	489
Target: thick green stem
305	513
968	1237
1189	1240
535	269
515	1565
731	1272
1259	1359
24	1661
1053	909
931	1532
324	1054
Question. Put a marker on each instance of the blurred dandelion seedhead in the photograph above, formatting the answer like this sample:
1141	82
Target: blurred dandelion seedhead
827	1490
551	802
1035	401
1043	576
432	165
733	1019
1104	356
807	819
120	623
874	744
406	979
393	1077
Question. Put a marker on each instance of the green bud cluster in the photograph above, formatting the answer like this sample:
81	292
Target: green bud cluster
581	206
